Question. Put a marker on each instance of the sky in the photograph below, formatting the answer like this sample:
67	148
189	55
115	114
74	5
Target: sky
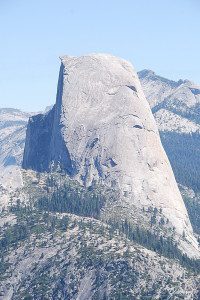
152	34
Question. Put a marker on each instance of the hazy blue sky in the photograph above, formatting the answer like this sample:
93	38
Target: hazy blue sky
159	35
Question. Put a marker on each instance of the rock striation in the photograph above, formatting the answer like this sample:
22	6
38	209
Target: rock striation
101	129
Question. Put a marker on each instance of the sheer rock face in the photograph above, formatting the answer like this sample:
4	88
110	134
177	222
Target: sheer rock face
102	129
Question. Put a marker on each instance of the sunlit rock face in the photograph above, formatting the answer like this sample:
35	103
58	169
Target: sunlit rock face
12	138
180	98
101	129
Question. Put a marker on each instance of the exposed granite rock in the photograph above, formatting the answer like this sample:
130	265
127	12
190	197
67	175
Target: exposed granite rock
13	124
180	97
102	129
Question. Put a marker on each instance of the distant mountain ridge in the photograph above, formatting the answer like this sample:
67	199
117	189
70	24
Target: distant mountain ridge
13	124
181	97
176	108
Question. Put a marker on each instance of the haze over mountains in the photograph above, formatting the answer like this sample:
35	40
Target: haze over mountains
12	137
181	97
176	109
169	100
110	182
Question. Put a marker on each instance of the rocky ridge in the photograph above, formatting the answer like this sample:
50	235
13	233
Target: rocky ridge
176	109
175	104
13	125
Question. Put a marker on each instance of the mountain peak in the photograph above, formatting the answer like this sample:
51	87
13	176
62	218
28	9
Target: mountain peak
102	131
146	73
149	74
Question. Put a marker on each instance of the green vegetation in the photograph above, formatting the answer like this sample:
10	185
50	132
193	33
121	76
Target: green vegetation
193	208
58	276
29	221
88	202
73	198
183	151
41	220
164	246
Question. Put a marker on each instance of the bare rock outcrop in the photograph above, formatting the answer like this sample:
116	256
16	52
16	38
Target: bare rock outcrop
101	129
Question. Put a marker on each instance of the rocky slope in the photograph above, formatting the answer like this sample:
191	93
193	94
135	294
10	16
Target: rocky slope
12	136
176	105
176	110
102	130
49	255
85	261
168	121
13	124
